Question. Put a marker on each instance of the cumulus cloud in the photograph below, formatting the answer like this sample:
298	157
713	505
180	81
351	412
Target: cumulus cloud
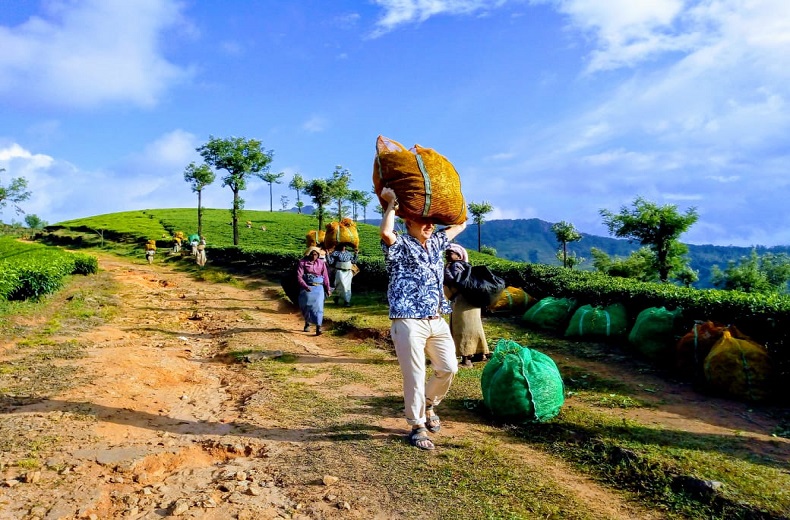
84	54
150	178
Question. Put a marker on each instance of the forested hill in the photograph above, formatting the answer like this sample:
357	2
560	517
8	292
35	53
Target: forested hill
531	240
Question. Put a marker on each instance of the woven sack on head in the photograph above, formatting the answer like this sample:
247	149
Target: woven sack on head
653	333
426	183
315	238
520	384
551	313
692	349
599	321
512	300
343	232
739	368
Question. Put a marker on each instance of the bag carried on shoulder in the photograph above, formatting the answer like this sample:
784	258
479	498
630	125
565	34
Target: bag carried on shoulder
479	286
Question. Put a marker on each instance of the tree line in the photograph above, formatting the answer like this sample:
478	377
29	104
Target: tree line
662	257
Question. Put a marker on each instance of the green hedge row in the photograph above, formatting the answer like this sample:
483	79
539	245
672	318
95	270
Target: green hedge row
31	271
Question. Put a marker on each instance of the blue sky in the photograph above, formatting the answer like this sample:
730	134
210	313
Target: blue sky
552	109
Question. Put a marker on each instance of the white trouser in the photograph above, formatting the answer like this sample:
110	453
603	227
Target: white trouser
414	339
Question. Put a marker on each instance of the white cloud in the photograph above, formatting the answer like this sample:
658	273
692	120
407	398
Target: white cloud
173	149
151	178
83	54
402	12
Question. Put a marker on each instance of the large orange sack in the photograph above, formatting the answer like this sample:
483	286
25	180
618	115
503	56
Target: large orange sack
315	238
427	185
343	232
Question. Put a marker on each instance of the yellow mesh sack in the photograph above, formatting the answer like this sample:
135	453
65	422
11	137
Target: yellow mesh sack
315	238
343	232
426	183
739	368
512	299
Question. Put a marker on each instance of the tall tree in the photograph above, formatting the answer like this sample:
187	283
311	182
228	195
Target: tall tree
356	197
565	233
365	201
654	226
198	178
272	178
298	185
479	210
319	192
338	188
15	193
241	158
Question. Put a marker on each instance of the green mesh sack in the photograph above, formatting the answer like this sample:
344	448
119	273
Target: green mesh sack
653	333
521	385
598	321
550	313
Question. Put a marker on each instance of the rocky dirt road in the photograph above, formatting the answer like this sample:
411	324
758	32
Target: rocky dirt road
152	418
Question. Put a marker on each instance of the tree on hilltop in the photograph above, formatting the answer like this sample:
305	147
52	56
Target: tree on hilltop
657	227
338	188
272	178
298	185
479	210
198	178
14	193
241	158
319	192
566	233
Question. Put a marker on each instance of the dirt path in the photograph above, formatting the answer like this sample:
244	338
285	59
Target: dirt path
159	422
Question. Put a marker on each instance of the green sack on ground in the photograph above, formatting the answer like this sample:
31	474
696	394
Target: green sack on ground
598	321
550	313
520	384
653	333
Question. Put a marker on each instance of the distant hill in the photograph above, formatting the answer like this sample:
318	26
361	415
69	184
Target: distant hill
531	240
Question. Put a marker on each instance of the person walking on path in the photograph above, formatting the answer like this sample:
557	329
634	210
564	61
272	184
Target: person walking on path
416	304
466	321
200	257
342	260
313	278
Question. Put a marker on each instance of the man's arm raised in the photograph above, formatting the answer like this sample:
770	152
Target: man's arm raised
387	227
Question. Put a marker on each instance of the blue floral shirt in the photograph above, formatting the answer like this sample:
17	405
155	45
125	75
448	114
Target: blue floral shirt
415	276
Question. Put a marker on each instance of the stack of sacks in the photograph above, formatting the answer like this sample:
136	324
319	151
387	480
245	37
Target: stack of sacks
343	232
426	184
694	347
